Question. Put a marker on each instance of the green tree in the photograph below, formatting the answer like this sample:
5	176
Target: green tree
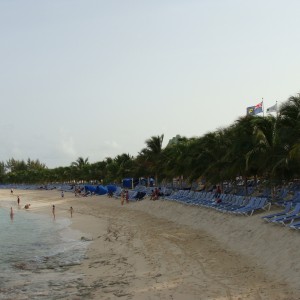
153	154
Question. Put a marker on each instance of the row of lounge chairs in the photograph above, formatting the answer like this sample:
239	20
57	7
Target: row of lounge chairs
294	200
289	217
226	203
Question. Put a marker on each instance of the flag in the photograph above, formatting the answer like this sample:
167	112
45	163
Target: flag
250	110
272	108
258	108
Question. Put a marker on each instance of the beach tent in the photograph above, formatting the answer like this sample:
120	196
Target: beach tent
127	183
111	188
90	188
101	190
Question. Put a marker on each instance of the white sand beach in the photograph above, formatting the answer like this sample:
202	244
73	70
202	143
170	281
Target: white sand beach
162	250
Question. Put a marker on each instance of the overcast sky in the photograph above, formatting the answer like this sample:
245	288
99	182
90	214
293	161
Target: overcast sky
96	78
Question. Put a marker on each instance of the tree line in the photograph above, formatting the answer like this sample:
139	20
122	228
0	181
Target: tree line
265	147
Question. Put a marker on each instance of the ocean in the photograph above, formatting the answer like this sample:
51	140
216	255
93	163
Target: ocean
36	255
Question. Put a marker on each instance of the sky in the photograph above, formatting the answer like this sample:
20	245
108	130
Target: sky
97	78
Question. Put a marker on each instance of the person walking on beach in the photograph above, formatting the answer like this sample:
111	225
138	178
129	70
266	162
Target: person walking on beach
62	194
122	197
11	191
53	211
18	200
71	211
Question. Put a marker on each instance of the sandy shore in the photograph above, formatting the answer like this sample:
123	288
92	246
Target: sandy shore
163	250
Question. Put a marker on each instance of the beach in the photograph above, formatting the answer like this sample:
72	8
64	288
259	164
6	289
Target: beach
163	250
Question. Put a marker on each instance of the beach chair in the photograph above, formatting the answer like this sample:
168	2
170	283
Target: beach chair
208	198
290	216
250	205
235	203
226	201
295	225
196	199
253	205
214	201
177	195
295	199
190	197
186	196
268	218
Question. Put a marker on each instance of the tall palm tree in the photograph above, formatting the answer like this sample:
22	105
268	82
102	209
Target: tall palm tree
289	127
119	167
241	143
153	154
174	154
208	156
78	170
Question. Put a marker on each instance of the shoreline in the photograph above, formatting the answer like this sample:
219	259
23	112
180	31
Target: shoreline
163	250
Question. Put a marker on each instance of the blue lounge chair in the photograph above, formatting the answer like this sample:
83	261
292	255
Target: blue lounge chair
294	214
269	218
295	225
237	202
253	205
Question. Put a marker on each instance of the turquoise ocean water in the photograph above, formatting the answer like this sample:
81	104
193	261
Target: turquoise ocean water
36	254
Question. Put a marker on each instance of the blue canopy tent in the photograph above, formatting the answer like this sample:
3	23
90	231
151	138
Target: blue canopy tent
101	190
127	183
90	188
111	188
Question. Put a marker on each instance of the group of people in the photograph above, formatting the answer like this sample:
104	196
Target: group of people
11	213
27	206
53	211
155	194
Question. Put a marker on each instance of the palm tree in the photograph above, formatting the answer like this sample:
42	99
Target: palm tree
241	143
119	167
173	164
153	154
80	162
208	156
289	128
78	170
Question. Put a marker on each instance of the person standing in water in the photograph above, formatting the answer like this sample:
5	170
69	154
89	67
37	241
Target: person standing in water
53	211
11	213
71	211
